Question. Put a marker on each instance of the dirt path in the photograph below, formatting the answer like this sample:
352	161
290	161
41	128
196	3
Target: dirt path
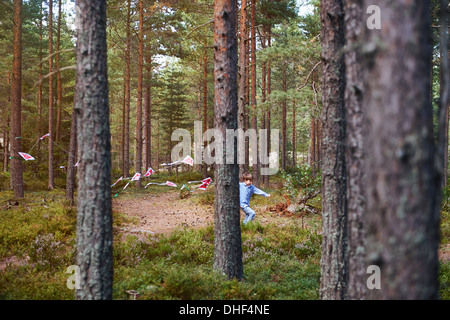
163	213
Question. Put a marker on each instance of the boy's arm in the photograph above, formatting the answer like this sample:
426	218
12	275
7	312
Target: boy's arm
260	192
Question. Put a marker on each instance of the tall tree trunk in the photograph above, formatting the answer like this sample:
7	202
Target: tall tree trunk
333	283
205	102
357	275
39	93
94	218
16	103
247	92
138	160
283	119
402	220
444	93
72	158
148	116
126	159
124	104
313	145
227	230
70	178
58	77
5	148
294	134
255	162
51	177
263	112
242	75
269	90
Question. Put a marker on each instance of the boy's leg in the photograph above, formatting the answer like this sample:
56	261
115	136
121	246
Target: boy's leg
249	214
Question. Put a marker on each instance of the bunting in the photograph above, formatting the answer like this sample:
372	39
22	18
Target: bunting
149	172
26	156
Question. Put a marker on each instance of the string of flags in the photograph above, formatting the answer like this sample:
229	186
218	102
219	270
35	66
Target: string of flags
137	176
187	160
29	157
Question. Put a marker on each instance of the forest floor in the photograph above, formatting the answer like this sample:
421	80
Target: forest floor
165	212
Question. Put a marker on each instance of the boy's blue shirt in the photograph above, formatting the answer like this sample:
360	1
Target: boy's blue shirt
245	193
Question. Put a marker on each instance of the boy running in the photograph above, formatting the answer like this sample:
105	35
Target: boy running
246	190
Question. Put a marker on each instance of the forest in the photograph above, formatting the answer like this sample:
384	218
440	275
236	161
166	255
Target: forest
129	128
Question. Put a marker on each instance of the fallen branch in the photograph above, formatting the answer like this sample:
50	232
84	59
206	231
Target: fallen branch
300	202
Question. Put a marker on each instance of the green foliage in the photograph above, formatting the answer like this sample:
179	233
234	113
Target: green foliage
301	177
445	224
179	265
444	280
46	252
22	223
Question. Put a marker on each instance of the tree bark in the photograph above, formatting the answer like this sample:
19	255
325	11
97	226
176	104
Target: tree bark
227	231
70	178
357	275
39	92
205	102
444	93
313	145
138	160
126	159
94	216
148	116
294	134
255	162
58	76
16	103
242	74
402	182
283	119
247	92
333	283
51	174
269	90
264	123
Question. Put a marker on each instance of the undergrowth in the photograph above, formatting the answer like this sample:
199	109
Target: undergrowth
280	261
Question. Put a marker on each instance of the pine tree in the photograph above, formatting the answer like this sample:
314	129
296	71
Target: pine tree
402	182
16	103
94	212
227	229
333	283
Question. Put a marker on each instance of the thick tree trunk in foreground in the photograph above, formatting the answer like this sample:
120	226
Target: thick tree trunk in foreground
402	182
333	284
357	275
94	219
444	93
227	229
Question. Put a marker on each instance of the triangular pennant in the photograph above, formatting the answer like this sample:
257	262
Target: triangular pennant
116	182
45	135
170	184
149	172
188	160
26	156
203	186
136	176
207	180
